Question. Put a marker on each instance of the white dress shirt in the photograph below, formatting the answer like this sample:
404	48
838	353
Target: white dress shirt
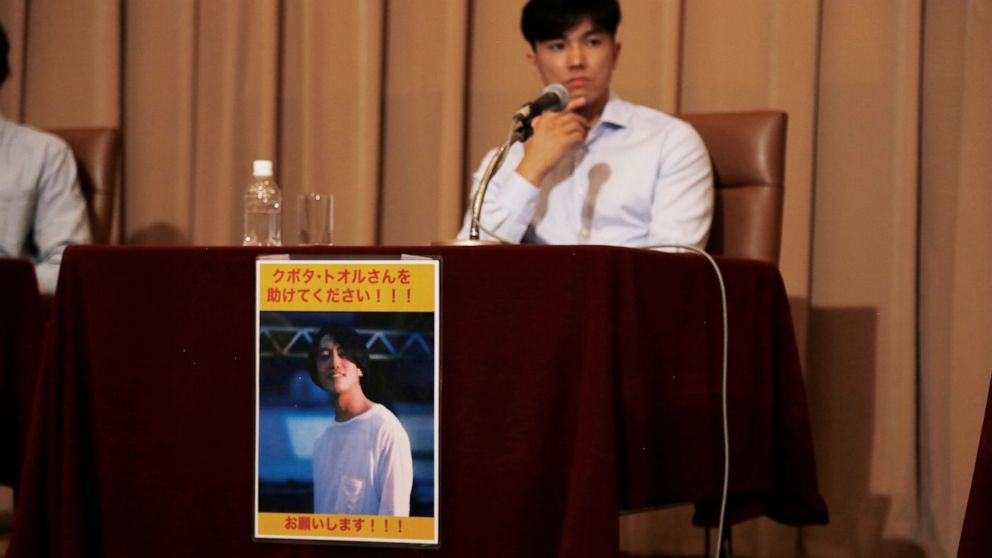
641	178
42	209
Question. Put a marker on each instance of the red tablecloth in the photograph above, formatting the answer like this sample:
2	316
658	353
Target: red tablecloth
21	335
576	381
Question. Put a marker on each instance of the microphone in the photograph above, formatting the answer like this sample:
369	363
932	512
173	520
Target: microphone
555	98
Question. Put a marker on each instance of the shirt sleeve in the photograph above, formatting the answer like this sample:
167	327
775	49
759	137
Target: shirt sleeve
395	468
60	215
682	206
509	204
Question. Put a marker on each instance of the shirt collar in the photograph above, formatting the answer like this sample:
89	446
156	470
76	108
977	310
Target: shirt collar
616	115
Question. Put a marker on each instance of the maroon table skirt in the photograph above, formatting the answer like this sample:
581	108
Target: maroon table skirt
576	382
976	536
22	321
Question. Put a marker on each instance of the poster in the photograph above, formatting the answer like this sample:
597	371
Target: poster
347	401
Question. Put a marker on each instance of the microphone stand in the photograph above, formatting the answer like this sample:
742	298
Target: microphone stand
520	131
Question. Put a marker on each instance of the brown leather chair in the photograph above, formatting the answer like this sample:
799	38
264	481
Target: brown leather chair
748	154
97	152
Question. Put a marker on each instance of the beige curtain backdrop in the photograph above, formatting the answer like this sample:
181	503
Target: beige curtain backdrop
390	104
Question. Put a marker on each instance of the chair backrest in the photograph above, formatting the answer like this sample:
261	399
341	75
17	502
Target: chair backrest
97	152
748	154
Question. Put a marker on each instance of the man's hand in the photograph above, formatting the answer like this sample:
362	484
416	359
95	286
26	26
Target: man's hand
554	134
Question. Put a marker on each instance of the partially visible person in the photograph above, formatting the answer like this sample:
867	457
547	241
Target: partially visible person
42	209
603	170
362	463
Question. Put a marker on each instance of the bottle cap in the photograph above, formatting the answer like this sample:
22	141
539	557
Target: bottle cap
262	167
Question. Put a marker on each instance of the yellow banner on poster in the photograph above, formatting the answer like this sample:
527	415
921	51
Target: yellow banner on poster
359	527
348	286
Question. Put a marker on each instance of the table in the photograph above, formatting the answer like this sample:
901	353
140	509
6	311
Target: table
576	381
21	336
976	539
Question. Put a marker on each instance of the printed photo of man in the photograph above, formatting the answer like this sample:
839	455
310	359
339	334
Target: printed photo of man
362	462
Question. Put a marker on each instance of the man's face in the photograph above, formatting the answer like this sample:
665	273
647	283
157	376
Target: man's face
582	61
335	373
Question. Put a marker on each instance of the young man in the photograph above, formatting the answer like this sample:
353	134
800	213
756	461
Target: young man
42	209
362	463
601	171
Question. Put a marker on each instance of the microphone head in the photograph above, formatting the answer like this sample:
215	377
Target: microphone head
554	98
560	92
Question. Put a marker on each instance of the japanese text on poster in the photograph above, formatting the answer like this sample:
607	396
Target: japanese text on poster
370	287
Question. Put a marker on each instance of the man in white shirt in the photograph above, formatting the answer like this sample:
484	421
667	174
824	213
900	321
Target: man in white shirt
601	171
42	209
362	463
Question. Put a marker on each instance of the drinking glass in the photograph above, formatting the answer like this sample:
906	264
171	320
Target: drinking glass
316	218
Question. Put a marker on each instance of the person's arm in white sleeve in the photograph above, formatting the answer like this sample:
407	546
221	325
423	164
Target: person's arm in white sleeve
395	468
60	216
511	198
508	207
682	209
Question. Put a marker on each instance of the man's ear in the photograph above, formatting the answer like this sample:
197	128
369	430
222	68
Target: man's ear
616	51
532	60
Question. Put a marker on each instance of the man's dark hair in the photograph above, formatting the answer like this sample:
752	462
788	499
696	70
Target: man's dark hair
4	51
543	20
349	344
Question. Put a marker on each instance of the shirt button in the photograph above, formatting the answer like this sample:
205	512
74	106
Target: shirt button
584	233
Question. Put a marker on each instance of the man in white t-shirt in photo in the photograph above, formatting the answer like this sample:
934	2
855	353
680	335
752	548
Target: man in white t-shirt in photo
362	463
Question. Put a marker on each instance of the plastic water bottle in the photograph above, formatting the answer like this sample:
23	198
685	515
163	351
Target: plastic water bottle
263	208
